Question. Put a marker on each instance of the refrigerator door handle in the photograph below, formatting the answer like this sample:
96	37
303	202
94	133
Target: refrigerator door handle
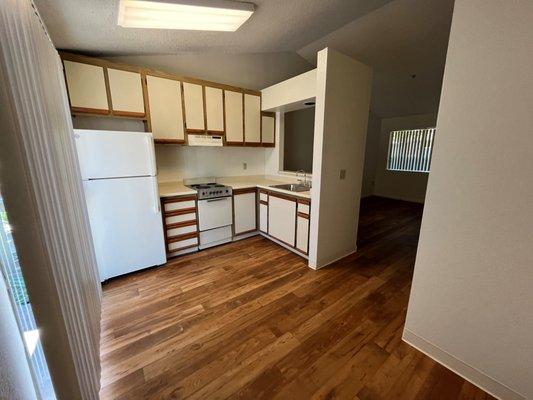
151	153
157	205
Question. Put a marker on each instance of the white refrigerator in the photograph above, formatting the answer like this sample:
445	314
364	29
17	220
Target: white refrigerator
120	183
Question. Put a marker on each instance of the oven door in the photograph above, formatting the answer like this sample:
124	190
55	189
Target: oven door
214	213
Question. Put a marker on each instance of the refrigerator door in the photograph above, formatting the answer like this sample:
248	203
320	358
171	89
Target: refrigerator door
114	154
126	224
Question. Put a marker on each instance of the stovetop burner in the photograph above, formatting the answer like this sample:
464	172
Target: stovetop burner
211	190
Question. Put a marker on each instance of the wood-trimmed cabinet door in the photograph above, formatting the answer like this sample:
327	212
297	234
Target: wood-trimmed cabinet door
233	108
252	119
193	100
86	85
263	211
282	218
126	92
302	225
214	110
244	209
166	112
268	129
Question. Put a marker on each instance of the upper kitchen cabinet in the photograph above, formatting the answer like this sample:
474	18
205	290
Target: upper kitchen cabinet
252	119
86	85
126	92
268	129
166	109
214	110
193	100
233	102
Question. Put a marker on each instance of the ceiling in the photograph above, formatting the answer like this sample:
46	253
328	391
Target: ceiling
398	38
276	26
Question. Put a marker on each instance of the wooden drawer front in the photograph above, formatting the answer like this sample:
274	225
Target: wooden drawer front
263	196
181	230
183	244
179	205
179	218
303	208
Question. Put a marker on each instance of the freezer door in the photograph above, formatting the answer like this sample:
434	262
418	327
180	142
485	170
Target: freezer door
112	154
126	224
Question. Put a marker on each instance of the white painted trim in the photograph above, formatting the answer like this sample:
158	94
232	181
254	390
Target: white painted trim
471	374
314	266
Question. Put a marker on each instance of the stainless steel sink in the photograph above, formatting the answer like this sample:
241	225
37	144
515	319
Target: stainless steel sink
293	187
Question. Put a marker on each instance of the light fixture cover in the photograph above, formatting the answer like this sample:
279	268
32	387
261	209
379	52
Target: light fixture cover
201	15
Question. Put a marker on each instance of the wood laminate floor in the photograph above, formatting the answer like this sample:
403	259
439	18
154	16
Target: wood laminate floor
250	320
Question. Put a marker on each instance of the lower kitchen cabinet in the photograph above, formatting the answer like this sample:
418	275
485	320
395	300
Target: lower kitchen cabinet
302	234
244	210
180	223
281	218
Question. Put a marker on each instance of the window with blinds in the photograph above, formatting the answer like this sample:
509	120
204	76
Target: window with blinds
410	150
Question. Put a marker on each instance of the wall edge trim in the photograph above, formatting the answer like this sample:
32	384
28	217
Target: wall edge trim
471	374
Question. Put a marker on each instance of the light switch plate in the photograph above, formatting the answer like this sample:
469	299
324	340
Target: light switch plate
342	174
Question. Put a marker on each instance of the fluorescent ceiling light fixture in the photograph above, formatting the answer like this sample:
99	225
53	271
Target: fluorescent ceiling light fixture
200	15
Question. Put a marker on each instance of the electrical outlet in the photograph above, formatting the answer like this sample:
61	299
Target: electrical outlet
244	166
342	174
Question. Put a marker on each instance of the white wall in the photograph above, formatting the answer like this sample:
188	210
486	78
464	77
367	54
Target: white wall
179	162
471	304
371	155
290	94
251	71
409	186
341	118
15	376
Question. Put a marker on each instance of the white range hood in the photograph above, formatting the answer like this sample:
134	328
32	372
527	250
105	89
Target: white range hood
205	140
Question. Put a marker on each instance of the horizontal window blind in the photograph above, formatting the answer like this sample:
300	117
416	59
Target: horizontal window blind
410	150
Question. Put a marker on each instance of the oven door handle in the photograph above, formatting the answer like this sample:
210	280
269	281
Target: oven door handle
219	199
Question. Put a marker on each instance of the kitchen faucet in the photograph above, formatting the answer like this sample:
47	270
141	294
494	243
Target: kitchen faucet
304	182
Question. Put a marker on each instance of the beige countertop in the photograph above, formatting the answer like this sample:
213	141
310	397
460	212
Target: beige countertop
177	188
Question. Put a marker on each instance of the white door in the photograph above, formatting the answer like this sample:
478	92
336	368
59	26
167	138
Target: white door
282	219
214	108
263	218
214	213
252	118
234	117
126	224
166	111
302	234
126	91
245	212
86	86
113	154
193	99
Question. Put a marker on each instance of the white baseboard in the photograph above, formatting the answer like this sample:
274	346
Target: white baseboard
471	374
314	266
